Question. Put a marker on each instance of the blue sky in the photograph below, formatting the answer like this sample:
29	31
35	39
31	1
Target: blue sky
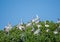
13	10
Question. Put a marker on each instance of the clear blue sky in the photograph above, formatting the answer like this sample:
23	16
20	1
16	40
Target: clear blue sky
13	10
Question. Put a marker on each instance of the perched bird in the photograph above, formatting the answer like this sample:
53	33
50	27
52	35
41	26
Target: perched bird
8	27
46	25
36	20
39	26
33	29
55	32
20	26
37	32
47	30
28	24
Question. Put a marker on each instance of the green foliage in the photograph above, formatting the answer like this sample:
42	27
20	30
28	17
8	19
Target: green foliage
16	35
